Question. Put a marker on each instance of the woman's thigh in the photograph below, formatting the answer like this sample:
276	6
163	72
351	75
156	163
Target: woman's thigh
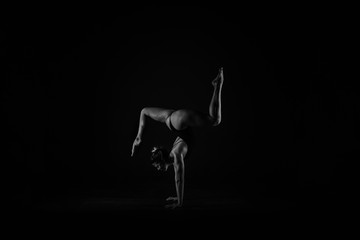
190	118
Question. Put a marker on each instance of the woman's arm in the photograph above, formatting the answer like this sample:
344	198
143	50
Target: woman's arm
157	114
179	168
141	124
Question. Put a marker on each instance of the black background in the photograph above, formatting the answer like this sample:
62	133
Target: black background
75	81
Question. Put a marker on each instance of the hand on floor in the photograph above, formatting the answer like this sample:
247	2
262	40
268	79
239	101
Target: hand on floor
174	203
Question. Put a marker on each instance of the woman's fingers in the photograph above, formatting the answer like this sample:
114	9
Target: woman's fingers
172	206
135	145
171	199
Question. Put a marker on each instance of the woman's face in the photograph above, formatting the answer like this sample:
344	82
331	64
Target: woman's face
160	167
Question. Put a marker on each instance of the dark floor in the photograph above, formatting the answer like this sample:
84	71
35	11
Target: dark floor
153	208
201	215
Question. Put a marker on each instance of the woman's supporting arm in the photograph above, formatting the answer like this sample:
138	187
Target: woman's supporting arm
179	168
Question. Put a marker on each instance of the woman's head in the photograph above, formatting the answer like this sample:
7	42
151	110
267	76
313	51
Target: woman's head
160	158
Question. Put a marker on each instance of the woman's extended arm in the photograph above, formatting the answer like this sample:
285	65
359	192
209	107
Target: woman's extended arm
158	114
141	124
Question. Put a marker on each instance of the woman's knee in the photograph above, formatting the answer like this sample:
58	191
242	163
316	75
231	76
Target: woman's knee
216	122
207	121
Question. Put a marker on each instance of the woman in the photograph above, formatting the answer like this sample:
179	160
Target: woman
180	121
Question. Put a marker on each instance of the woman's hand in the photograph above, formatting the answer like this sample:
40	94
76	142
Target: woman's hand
172	199
136	145
174	203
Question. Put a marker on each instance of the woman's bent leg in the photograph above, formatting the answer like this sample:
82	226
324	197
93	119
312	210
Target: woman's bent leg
215	104
198	119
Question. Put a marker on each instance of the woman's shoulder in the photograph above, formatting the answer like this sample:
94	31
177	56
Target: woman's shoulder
180	148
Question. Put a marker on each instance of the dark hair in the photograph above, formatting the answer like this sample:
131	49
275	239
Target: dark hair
160	155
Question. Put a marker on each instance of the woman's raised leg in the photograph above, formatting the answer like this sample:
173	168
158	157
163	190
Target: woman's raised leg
199	119
215	104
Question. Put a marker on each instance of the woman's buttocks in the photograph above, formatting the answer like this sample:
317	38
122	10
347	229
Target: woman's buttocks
180	119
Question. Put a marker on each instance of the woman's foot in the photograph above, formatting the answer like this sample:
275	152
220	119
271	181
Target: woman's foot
219	78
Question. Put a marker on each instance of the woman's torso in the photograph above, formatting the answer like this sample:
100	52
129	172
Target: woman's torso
176	122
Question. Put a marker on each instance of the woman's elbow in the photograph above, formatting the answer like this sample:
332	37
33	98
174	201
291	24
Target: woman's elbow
144	110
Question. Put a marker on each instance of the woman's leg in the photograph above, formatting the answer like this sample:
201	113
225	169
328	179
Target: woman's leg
184	118
215	104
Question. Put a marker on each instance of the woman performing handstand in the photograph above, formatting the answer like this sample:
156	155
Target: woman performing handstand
180	121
